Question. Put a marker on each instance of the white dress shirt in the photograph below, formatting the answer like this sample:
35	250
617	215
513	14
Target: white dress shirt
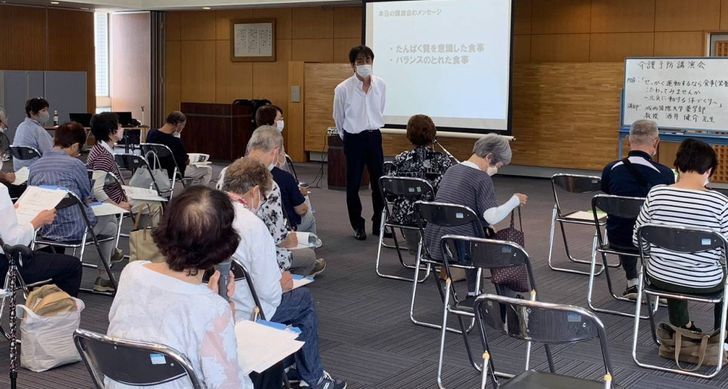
11	232
257	252
356	111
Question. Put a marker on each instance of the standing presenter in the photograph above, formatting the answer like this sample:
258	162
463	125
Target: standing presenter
359	114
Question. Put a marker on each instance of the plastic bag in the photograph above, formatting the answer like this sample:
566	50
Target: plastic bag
48	340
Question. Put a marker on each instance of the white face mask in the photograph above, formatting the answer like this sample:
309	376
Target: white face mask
177	134
491	170
280	125
364	71
43	117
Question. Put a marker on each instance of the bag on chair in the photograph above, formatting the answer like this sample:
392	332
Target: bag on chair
514	277
141	243
682	345
143	178
48	320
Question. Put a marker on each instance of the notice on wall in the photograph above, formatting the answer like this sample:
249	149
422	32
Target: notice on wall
253	40
677	93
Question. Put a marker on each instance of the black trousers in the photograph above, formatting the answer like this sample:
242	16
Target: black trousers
364	148
64	270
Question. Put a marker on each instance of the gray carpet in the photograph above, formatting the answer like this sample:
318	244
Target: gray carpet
367	338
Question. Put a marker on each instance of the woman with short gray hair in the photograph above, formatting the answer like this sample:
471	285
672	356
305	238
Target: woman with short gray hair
470	184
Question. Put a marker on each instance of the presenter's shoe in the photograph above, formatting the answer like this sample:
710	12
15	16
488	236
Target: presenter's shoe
360	233
327	382
103	285
318	267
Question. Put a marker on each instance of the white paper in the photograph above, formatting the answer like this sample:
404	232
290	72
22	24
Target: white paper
106	209
198	157
299	281
303	242
260	347
36	199
142	194
21	176
587	215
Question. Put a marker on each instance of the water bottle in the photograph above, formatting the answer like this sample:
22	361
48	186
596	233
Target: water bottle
55	118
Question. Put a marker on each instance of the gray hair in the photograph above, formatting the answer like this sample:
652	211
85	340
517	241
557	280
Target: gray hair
497	146
264	138
643	132
3	116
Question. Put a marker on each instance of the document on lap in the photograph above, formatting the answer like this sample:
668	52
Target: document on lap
36	199
106	209
261	346
21	176
299	280
142	194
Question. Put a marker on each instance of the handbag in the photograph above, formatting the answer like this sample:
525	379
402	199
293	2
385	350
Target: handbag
143	178
682	345
141	244
513	277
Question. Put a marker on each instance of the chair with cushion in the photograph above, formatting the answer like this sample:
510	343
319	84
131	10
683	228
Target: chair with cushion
392	189
546	323
678	240
132	363
569	185
481	254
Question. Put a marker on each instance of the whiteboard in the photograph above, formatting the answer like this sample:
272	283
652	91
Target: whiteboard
677	93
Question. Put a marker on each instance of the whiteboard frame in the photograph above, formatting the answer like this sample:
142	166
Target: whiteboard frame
624	87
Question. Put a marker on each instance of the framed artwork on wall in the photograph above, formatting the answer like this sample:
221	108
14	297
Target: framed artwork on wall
253	40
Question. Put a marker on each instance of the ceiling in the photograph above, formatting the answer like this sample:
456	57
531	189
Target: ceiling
148	5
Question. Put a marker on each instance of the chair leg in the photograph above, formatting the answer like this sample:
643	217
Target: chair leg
443	331
414	296
590	291
484	376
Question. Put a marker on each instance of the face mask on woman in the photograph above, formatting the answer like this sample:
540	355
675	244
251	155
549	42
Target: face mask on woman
280	125
43	117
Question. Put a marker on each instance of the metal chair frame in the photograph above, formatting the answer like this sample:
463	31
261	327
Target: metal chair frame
132	162
682	240
413	189
72	200
163	151
175	361
24	153
498	312
446	215
4	146
111	179
484	254
572	183
619	206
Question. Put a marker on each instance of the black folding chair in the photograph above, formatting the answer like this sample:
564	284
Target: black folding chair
4	146
576	184
71	200
132	363
620	207
678	240
395	189
24	152
162	152
443	215
467	252
546	323
132	162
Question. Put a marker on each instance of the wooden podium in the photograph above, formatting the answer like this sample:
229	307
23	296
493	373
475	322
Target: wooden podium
337	165
221	130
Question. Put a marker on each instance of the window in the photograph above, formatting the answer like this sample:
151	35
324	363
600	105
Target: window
101	43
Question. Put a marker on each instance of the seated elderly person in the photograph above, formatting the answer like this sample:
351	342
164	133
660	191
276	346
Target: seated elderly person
8	178
264	146
61	167
420	162
179	310
31	133
633	176
245	182
106	129
470	184
62	270
687	203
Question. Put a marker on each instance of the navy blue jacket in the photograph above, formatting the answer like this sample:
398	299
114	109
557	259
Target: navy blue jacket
617	180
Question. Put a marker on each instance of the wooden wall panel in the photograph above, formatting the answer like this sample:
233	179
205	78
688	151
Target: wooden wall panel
172	26
522	17
724	14
233	80
616	46
223	18
521	48
342	47
560	48
347	22
560	16
294	131
622	16
313	23
197	25
28	53
283	20
679	43
687	15
320	81
312	50
197	72
172	76
270	79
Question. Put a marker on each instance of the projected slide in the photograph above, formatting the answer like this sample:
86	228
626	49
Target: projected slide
449	59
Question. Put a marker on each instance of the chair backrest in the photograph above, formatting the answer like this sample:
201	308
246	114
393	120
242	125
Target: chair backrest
24	152
619	206
131	162
540	322
448	215
574	184
388	168
241	273
131	362
4	144
160	150
289	161
109	177
681	239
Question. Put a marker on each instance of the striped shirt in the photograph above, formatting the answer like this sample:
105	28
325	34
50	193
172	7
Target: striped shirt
31	134
687	208
101	158
57	168
464	185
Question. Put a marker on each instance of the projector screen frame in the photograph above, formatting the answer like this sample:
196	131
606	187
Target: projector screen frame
509	122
